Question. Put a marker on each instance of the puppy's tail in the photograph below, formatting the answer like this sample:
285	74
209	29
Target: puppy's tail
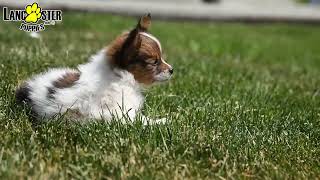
23	98
22	94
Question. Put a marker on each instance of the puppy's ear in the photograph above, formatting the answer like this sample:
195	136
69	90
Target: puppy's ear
132	44
144	22
134	40
130	48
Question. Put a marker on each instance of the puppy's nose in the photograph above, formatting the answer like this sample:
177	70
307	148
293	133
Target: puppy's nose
171	70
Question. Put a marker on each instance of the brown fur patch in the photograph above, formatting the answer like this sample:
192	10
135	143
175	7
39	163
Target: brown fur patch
67	80
145	66
149	49
164	66
114	48
145	22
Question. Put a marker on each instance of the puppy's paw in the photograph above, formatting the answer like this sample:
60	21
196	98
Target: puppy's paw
148	121
160	121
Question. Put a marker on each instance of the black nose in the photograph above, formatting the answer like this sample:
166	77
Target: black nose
171	70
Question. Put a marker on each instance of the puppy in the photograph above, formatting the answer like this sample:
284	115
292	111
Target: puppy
109	85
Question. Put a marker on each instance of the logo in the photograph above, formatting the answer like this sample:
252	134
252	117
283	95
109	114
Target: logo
33	18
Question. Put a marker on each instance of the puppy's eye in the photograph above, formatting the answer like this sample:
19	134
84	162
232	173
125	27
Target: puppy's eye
152	62
155	62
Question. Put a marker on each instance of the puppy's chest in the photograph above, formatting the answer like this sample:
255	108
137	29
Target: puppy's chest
125	97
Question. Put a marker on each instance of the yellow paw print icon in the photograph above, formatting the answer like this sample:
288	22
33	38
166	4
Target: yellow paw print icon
34	13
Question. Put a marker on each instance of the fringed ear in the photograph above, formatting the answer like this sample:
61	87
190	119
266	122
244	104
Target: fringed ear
130	48
131	45
144	22
134	39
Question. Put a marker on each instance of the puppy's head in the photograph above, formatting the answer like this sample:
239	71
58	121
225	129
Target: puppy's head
140	53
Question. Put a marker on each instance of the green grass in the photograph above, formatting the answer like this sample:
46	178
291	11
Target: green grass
244	102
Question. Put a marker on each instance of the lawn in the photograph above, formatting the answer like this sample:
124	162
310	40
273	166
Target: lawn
244	102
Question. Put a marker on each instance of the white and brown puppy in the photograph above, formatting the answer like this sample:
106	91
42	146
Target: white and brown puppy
108	85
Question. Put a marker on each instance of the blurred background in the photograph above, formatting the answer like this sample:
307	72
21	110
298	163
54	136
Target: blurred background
202	10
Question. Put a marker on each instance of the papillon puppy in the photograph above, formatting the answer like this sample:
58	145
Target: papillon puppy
108	86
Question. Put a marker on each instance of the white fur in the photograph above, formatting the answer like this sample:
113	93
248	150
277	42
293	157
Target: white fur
100	93
164	75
